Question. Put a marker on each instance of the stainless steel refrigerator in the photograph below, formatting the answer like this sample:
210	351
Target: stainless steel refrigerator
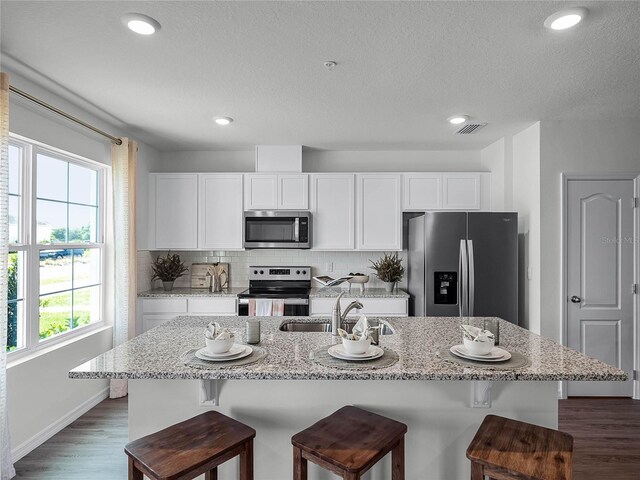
463	264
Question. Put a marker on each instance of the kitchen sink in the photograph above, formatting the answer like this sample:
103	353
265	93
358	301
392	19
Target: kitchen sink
325	326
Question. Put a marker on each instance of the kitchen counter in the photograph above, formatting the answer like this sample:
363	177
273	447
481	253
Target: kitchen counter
354	292
417	340
190	292
442	403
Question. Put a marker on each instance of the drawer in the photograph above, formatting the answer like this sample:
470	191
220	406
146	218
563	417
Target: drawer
164	305
393	307
213	306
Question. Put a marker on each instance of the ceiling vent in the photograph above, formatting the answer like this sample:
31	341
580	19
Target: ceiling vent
470	128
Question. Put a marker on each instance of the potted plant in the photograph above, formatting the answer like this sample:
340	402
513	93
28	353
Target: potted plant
168	269
389	269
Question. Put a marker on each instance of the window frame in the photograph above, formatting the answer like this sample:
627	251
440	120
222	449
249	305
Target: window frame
28	243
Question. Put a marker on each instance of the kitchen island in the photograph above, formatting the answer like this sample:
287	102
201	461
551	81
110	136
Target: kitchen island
288	391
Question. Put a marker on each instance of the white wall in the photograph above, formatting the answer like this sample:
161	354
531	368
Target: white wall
492	159
585	147
526	201
327	161
40	393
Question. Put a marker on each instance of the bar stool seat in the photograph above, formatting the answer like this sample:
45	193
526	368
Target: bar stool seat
348	443
193	447
507	449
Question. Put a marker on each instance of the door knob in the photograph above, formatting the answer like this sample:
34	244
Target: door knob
576	299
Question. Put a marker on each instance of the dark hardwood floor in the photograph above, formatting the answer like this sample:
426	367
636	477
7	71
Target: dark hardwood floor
91	448
606	435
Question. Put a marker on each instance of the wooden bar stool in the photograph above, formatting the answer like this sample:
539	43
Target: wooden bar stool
348	443
191	448
506	449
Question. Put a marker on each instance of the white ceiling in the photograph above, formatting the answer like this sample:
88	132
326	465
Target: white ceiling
403	68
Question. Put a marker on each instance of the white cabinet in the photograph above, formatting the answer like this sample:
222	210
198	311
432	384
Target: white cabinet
422	191
159	310
379	211
388	307
273	192
333	211
220	212
173	205
461	191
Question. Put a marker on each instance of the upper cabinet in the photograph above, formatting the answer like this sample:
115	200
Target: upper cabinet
276	191
446	191
173	211
220	212
333	211
379	211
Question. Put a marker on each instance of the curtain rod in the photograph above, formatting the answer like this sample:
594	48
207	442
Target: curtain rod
17	91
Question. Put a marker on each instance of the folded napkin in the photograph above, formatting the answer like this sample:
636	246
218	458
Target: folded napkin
215	332
476	334
360	330
261	307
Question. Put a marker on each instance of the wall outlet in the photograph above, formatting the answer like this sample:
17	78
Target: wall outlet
329	266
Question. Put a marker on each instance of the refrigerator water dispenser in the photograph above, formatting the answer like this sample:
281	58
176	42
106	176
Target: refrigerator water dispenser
445	286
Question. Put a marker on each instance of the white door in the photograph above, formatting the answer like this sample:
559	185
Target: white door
261	192
220	211
174	198
293	192
461	191
333	207
379	212
600	260
422	191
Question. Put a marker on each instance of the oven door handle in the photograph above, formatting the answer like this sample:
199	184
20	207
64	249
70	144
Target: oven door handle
287	301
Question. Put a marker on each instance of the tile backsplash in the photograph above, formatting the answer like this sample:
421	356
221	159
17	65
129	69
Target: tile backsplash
343	263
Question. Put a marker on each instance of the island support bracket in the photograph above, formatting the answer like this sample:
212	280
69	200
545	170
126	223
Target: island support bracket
209	390
481	393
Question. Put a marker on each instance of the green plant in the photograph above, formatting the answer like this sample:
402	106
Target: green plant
168	268
388	268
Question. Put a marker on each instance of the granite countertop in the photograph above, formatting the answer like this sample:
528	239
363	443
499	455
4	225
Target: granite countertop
418	341
354	292
190	292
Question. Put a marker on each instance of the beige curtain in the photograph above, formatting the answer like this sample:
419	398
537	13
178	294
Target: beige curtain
123	159
6	464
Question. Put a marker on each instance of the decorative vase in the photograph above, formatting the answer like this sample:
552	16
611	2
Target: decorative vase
389	286
168	286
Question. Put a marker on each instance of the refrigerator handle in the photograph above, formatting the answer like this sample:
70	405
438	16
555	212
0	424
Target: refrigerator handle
471	292
462	281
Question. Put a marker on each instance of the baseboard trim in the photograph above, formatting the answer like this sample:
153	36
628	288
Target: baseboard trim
45	434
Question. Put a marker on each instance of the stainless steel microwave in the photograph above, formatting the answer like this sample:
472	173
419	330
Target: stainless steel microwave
277	229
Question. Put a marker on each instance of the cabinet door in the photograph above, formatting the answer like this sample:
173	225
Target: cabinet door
379	212
333	209
461	191
175	210
422	191
220	211
293	192
261	192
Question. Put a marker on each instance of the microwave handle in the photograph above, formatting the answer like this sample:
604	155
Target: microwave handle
296	230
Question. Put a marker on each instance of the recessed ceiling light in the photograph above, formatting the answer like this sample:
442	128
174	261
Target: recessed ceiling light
141	24
458	119
565	18
223	120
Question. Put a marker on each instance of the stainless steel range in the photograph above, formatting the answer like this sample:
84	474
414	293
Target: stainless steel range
291	284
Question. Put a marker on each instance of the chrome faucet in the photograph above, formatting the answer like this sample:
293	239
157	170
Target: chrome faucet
337	317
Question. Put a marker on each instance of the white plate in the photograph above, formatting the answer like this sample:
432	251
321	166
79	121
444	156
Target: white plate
235	349
203	354
495	355
338	351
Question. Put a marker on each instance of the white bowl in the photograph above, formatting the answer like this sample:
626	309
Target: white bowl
359	279
356	346
218	346
479	348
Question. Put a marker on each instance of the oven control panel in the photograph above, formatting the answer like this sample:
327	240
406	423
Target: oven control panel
263	272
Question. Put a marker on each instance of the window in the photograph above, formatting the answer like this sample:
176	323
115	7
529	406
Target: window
56	224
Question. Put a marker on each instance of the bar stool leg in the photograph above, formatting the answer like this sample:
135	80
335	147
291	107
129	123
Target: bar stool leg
246	461
397	461
134	473
477	471
299	465
211	474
